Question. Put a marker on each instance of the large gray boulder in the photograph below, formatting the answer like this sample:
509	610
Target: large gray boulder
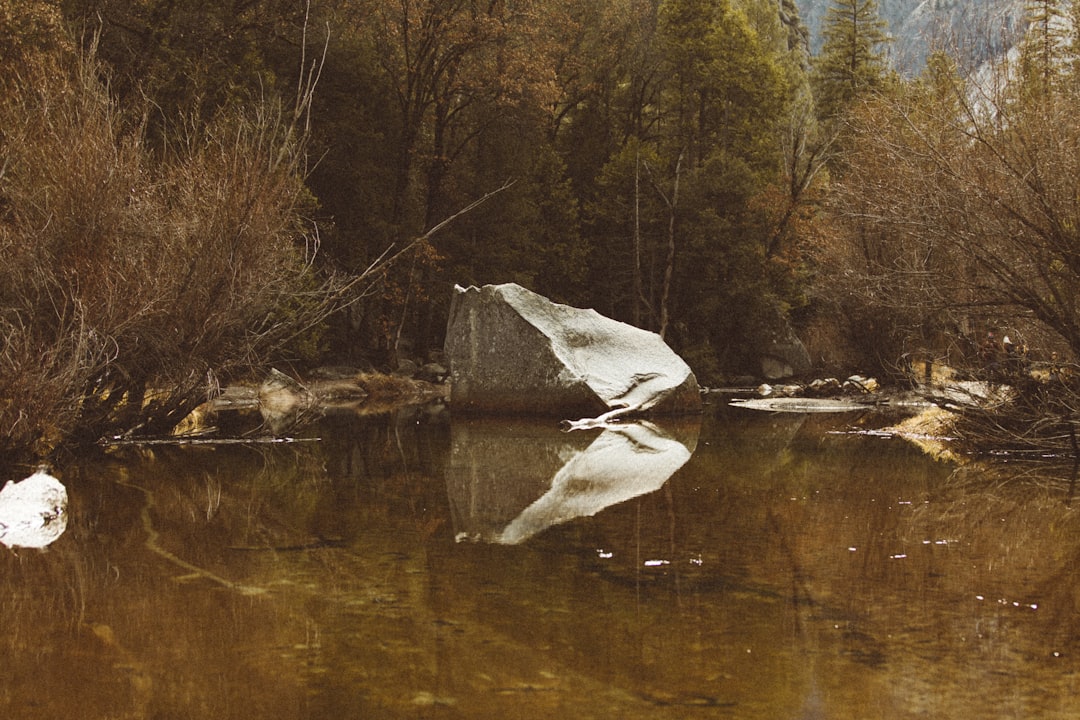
512	351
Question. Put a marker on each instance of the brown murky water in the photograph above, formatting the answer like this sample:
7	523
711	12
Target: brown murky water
750	566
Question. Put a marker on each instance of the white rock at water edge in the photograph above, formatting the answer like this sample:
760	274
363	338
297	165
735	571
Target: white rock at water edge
33	511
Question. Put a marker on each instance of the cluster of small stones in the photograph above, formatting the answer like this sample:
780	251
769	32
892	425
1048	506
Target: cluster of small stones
432	372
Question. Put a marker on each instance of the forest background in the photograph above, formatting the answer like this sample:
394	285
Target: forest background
190	191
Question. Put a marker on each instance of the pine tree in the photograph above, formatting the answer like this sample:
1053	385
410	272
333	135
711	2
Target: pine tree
852	58
1073	50
1045	44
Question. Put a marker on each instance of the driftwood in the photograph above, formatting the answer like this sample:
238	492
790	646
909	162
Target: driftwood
201	440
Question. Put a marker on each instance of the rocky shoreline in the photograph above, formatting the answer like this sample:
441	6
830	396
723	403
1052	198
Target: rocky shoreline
281	403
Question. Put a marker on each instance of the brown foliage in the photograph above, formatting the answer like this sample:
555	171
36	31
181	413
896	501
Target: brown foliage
130	276
959	212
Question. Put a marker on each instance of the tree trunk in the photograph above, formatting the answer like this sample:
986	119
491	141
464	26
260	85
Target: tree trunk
669	264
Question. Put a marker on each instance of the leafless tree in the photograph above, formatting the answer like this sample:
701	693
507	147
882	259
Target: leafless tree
960	213
135	277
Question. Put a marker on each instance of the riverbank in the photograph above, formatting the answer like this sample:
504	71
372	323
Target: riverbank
281	403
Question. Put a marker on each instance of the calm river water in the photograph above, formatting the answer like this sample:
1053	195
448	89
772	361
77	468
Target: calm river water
747	565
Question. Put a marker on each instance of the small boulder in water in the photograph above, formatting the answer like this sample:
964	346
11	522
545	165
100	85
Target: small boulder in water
33	512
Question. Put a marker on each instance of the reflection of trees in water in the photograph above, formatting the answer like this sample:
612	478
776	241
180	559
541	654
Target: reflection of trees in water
130	631
100	627
1020	521
47	600
886	555
42	588
752	536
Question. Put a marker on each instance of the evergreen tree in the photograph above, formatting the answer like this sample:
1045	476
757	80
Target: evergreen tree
852	58
678	229
1073	49
1043	47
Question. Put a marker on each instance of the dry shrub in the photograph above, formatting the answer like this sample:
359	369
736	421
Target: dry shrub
126	269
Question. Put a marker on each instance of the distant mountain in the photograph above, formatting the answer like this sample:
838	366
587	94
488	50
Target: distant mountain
970	30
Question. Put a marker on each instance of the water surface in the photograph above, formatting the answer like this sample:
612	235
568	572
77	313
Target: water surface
750	565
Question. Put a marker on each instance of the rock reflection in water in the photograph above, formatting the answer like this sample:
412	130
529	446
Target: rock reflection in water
511	479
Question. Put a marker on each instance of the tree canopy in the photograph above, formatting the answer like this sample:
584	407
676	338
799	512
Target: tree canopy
852	59
683	165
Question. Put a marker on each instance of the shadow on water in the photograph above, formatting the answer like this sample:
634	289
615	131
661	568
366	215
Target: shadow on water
750	565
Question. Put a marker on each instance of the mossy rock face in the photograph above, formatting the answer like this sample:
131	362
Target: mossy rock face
512	351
